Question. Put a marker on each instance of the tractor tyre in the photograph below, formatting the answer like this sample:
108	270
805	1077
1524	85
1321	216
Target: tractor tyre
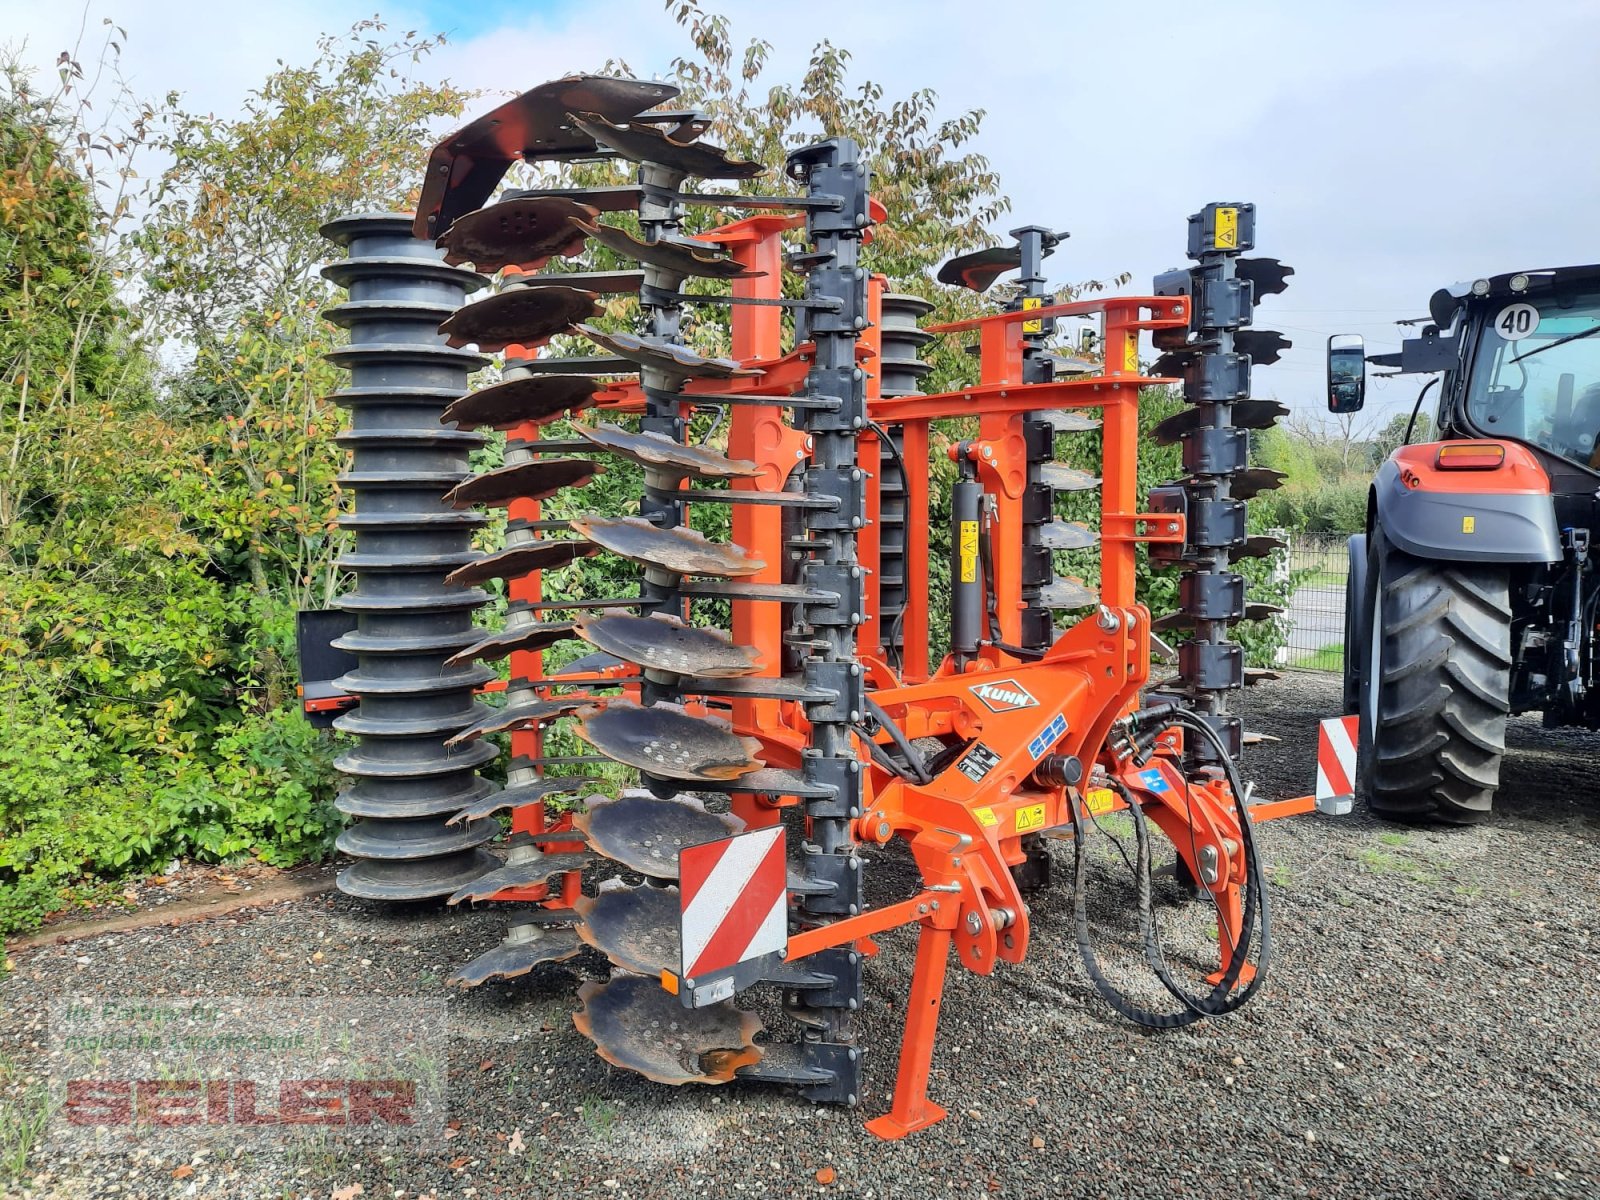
1435	686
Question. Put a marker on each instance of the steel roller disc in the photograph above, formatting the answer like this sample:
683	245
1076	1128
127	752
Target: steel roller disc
525	233
655	451
701	262
645	834
1067	535
536	635
668	357
520	794
1245	414
520	316
660	643
523	948
678	549
647	144
637	1025
536	480
536	400
550	554
516	716
665	741
635	927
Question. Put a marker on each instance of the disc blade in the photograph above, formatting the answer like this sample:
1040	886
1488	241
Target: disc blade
1258	547
535	635
1064	421
1246	414
647	144
516	797
526	233
519	316
701	262
523	948
535	480
537	400
516	716
549	554
978	269
635	927
1267	276
1067	479
1264	346
645	834
528	868
665	741
656	451
1065	594
675	360
678	549
661	643
1067	535
637	1025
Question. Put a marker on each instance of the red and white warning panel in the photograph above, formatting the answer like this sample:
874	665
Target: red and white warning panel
735	902
1336	763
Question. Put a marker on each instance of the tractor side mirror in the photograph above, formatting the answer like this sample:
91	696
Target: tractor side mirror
1347	373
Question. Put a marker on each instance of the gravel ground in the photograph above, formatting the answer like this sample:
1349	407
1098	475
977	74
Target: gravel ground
1427	1031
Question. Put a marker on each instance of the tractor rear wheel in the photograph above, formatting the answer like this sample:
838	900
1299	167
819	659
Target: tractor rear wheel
1435	685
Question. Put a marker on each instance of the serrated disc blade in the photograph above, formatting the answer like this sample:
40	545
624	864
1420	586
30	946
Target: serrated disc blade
678	549
1257	547
1264	346
539	400
647	144
1252	481
645	834
1067	479
523	948
660	643
527	867
535	635
1064	594
515	716
1245	414
525	233
516	797
536	480
669	357
635	927
656	451
1183	620
549	554
519	316
1267	276
1067	535
701	262
665	741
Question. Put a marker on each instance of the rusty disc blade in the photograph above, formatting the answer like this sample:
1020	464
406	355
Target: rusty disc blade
1067	479
638	1025
535	635
1063	420
516	797
537	400
550	554
524	233
665	741
1067	594
526	867
668	357
522	316
515	716
661	643
635	927
536	480
678	549
523	948
1257	547
647	144
645	834
702	262
656	451
1252	481
1245	414
1067	535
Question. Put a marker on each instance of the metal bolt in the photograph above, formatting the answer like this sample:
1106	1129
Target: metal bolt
854	1003
922	909
884	830
974	924
1108	620
854	909
935	906
688	983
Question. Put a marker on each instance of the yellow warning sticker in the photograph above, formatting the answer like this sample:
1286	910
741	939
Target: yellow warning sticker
1227	229
1099	800
1032	302
1130	356
1469	524
986	817
1030	816
969	551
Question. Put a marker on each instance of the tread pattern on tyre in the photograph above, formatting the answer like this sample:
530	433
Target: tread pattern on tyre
1443	696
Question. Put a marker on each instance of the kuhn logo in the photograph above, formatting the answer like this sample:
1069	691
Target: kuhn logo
1005	696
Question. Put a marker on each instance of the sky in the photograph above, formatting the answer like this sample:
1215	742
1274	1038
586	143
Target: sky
1390	149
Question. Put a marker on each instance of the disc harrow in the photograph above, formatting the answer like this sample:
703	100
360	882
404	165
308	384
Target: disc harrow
757	719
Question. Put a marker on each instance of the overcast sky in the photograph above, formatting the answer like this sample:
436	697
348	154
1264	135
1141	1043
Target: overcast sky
1390	148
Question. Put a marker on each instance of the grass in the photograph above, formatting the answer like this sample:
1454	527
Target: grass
1378	862
22	1124
600	1116
1328	658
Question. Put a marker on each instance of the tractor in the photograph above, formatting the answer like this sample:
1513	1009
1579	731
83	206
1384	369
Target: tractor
1471	596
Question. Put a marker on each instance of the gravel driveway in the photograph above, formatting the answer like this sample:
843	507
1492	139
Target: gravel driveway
1428	1031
